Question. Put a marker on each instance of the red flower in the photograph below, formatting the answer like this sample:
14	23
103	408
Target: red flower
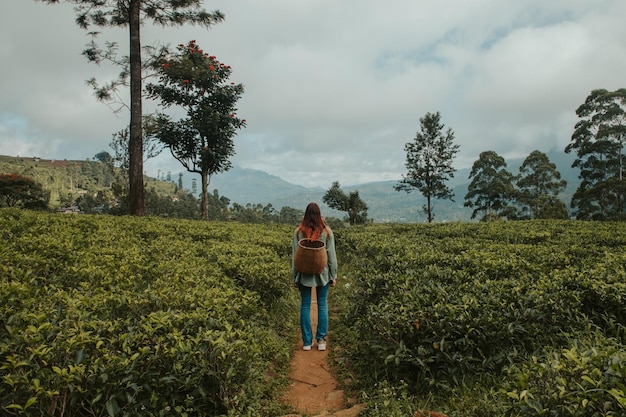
232	115
212	67
186	81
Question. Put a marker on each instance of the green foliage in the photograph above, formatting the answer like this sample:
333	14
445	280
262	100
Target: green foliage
127	316
259	213
388	400
19	191
538	185
587	379
202	141
429	162
92	186
598	141
113	13
351	203
450	310
182	205
491	190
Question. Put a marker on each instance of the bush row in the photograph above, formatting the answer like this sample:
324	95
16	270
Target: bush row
142	316
445	307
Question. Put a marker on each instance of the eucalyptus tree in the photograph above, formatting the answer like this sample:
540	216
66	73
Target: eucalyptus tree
132	14
538	186
491	190
598	141
202	140
429	162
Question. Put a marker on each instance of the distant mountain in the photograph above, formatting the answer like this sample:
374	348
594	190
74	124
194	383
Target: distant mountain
243	186
247	186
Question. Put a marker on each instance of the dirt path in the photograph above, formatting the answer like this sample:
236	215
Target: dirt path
314	390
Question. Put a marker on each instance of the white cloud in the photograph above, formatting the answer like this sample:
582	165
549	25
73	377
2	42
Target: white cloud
335	89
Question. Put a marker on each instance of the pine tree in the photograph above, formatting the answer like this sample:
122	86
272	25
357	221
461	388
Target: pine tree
132	14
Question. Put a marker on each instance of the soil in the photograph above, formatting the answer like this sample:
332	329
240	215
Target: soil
314	391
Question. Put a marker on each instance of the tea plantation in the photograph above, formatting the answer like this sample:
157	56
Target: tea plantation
121	316
126	316
486	319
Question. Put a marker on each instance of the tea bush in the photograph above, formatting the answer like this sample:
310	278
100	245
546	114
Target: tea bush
125	316
447	308
586	379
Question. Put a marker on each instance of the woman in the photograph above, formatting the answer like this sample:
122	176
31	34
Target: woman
313	226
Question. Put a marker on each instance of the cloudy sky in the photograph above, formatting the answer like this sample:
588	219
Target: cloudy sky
334	89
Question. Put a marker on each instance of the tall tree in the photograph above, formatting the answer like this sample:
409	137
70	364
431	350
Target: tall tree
131	14
203	140
539	184
429	162
491	190
598	141
351	203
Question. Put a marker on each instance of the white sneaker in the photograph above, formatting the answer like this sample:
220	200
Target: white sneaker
321	344
307	347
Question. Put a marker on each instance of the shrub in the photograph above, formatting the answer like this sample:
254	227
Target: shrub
586	379
141	316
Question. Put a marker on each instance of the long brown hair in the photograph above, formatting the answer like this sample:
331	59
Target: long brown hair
312	223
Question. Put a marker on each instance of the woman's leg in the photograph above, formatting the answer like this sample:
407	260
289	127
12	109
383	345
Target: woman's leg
322	312
305	315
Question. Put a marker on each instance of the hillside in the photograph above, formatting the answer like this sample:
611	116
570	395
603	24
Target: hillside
247	186
385	203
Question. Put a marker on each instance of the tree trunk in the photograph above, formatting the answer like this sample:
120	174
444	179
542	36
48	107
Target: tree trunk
620	187
205	195
135	142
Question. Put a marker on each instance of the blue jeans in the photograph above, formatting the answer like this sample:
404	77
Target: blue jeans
305	313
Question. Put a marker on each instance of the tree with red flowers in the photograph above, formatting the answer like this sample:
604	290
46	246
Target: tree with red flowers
203	140
19	191
131	14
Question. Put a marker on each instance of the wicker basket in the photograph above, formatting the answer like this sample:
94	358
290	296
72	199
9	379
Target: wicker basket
310	256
